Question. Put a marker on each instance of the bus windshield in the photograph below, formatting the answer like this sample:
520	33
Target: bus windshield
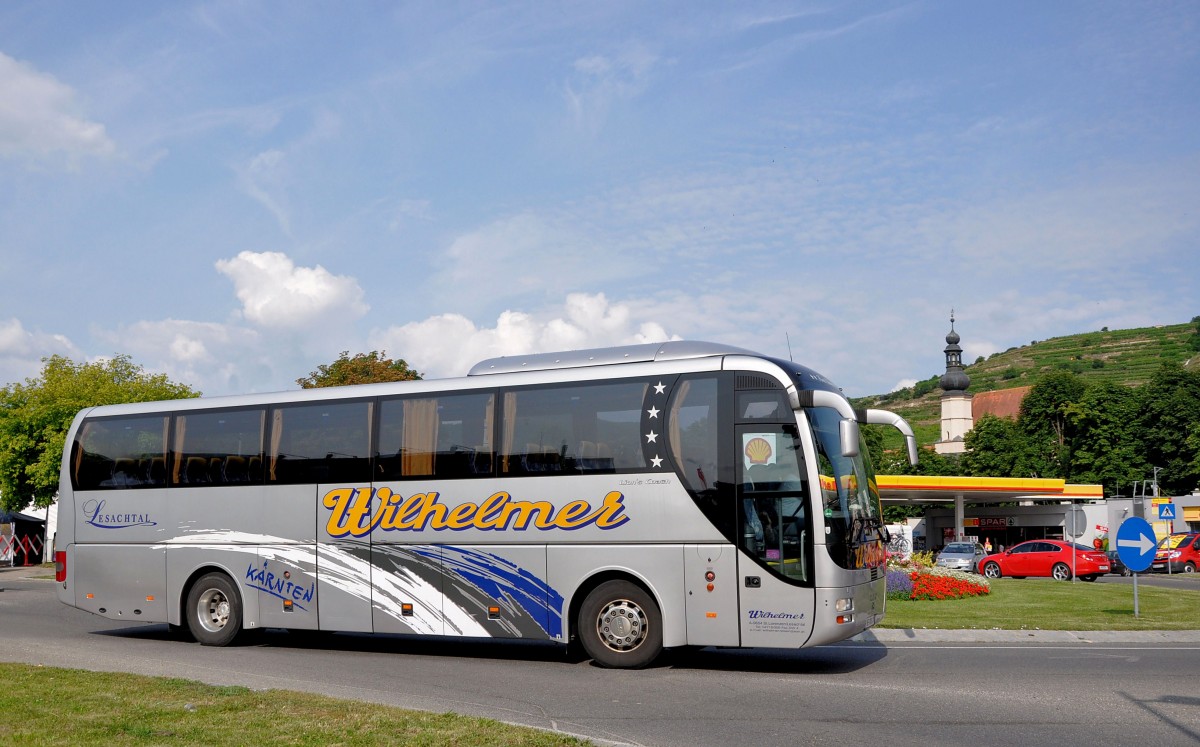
849	498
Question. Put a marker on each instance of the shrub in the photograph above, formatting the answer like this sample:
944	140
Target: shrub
924	559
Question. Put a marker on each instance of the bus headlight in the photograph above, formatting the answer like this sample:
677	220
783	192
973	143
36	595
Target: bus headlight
844	605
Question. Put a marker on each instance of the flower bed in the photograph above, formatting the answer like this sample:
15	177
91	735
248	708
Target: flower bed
947	585
915	581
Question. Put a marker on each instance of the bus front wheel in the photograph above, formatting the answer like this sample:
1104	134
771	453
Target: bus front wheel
620	626
214	610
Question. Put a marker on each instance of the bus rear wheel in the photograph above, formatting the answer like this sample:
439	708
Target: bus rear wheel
214	610
620	626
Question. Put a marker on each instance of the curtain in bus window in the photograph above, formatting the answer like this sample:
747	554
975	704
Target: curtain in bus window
156	478
510	432
676	441
693	432
177	465
80	440
484	460
276	437
420	437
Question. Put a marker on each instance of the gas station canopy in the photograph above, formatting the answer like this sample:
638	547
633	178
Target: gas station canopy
920	489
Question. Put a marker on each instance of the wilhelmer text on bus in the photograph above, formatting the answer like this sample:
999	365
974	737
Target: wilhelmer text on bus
351	513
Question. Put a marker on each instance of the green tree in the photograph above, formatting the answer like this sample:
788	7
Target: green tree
35	416
1170	412
363	368
996	447
1106	445
1045	423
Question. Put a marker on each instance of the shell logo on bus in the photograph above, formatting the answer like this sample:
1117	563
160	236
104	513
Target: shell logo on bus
758	451
350	513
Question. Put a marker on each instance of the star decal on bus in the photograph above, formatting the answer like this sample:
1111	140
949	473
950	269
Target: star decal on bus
651	437
656	461
653	412
660	387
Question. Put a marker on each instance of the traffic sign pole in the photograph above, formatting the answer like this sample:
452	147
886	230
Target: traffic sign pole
1135	547
1166	512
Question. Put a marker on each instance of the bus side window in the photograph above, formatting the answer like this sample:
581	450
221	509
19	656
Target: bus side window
581	428
216	447
116	453
327	442
449	436
694	432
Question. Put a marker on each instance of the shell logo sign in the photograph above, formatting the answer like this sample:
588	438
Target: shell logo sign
759	449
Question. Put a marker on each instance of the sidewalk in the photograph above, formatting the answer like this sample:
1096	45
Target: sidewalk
897	635
25	571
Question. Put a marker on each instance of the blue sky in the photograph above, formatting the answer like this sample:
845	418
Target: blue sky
233	192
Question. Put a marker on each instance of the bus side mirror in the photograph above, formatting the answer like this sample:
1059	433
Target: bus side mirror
849	437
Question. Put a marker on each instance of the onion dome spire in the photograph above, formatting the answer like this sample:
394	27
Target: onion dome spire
954	380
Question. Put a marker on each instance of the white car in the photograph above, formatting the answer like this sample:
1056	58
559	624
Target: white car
961	556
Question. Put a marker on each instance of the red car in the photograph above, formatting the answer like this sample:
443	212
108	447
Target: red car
1181	550
1046	558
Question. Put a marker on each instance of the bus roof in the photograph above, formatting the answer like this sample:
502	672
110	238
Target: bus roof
672	350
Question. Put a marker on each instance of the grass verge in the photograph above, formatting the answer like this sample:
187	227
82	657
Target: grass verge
1044	604
70	707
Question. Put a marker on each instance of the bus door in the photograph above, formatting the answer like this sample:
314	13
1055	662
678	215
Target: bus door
318	473
775	567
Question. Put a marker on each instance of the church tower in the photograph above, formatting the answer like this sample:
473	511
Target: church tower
956	401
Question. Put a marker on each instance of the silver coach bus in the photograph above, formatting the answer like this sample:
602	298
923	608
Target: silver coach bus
630	499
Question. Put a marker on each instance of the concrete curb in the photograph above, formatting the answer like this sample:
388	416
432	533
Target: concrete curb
937	635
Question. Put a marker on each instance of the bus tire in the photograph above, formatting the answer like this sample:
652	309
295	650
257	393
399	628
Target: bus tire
620	626
214	610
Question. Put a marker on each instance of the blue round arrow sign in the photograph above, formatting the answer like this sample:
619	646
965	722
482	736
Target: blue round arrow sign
1136	544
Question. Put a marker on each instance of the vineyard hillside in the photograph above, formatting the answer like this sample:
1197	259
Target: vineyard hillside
1129	357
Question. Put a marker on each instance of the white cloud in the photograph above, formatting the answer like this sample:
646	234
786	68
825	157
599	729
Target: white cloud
407	210
600	81
276	293
523	255
38	116
264	179
903	384
214	358
449	344
21	351
1115	216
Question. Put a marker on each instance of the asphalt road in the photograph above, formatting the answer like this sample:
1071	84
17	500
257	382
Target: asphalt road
900	689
